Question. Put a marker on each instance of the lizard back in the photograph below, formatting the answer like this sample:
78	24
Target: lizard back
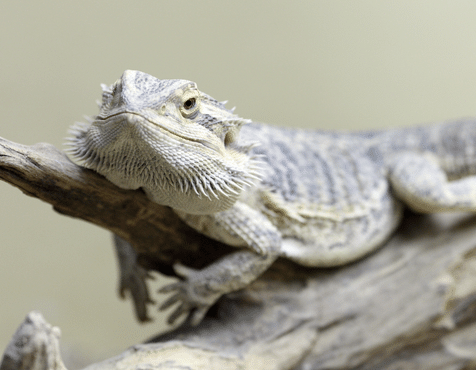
324	191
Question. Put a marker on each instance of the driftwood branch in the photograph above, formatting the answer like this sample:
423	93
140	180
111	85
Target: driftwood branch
158	235
410	305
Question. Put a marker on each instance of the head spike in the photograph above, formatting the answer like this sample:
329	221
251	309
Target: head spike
106	88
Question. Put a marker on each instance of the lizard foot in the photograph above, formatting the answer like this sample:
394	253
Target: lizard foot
135	282
194	293
132	278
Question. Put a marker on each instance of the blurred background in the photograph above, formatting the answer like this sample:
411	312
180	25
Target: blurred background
316	64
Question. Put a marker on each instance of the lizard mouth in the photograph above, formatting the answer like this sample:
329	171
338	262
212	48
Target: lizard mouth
139	118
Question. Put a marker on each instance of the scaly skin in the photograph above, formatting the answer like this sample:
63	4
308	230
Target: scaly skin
318	198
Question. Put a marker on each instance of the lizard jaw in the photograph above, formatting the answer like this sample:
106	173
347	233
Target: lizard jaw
164	165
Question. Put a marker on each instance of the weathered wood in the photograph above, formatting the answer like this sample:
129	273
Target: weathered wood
410	305
158	235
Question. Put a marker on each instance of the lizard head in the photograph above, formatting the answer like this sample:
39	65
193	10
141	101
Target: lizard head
165	136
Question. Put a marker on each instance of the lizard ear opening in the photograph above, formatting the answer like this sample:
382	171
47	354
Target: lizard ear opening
233	131
231	136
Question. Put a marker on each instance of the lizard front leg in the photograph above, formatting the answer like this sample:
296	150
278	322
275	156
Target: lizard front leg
239	226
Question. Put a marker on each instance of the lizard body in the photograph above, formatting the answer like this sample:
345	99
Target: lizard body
318	198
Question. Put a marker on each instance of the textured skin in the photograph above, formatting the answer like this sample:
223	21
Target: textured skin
318	198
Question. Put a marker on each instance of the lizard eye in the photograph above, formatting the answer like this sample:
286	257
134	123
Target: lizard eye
191	104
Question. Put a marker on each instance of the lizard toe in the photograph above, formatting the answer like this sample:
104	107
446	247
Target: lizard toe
183	271
170	287
170	302
180	311
198	315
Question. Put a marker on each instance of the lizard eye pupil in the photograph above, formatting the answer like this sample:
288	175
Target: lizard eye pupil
189	104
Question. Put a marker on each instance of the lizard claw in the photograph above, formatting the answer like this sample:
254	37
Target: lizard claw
193	293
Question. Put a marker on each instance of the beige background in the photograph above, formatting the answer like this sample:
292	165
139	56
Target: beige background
322	64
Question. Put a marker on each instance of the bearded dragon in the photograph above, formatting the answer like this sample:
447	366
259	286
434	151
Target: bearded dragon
318	198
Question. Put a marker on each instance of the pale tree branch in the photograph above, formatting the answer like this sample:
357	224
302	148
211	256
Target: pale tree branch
410	305
157	234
